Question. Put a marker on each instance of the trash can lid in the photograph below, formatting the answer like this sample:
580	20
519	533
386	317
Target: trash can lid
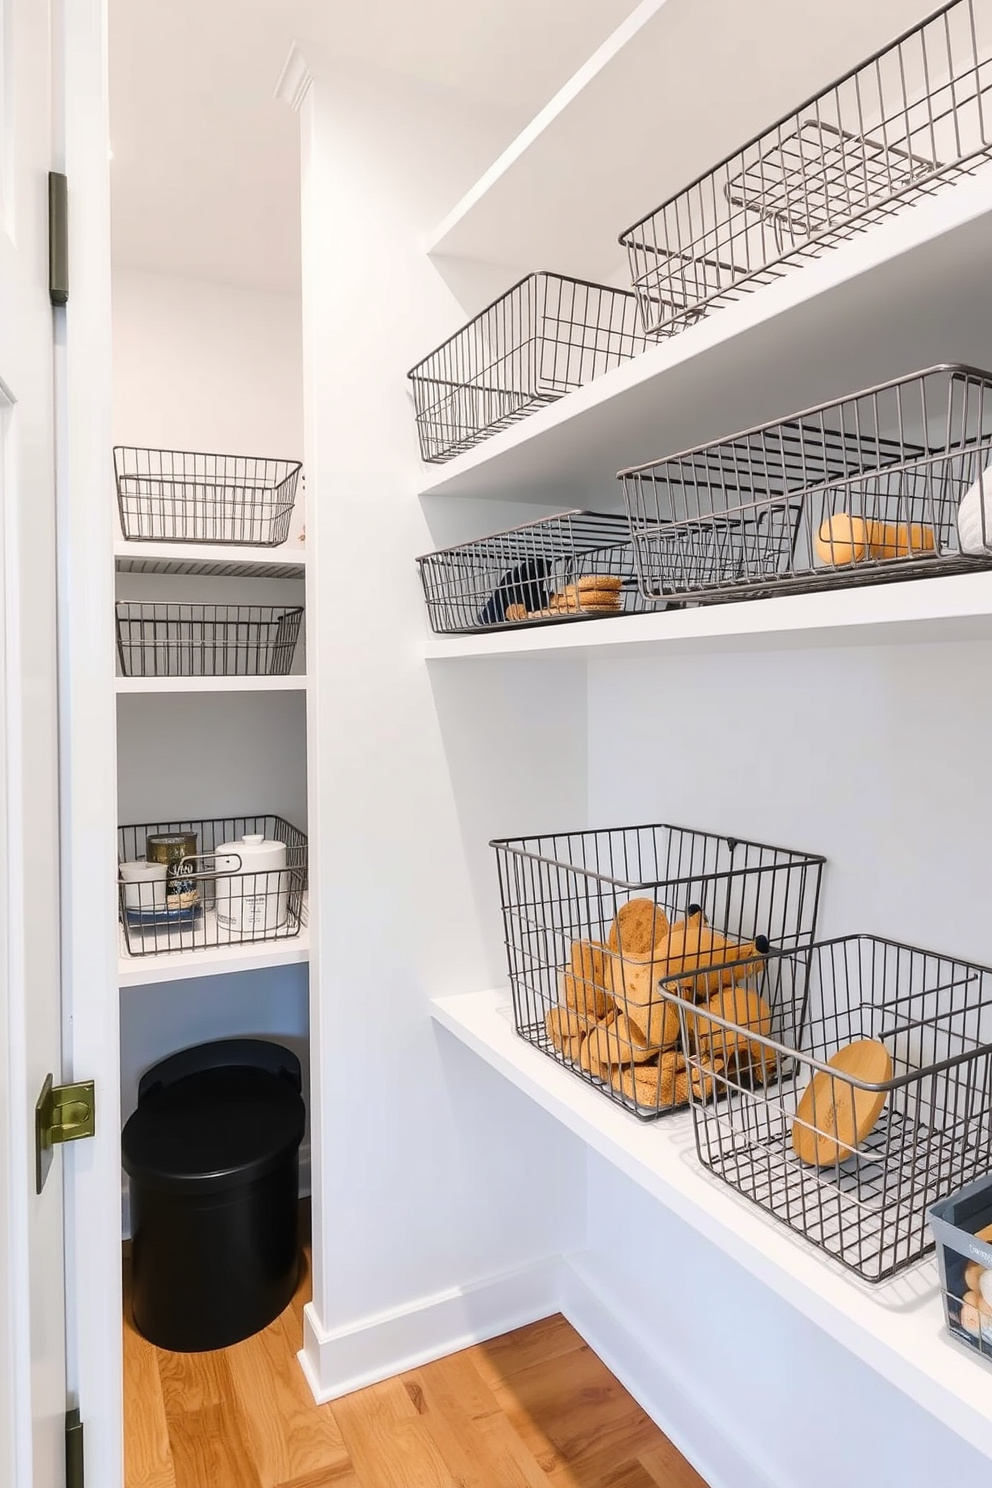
213	1129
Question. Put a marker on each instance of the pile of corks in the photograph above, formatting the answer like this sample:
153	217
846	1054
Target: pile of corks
613	1024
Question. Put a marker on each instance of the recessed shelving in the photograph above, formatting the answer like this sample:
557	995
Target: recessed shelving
211	560
897	1328
908	293
179	966
126	685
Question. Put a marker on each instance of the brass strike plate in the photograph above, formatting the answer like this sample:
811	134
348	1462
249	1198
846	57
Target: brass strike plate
63	1113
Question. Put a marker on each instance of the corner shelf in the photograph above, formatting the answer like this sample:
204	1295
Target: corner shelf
955	607
896	1328
125	685
843	321
217	561
180	966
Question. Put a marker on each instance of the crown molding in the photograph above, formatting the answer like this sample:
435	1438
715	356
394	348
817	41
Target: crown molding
295	78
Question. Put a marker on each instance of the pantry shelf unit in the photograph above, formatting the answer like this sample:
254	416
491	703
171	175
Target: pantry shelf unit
142	971
126	685
908	293
895	1327
956	607
214	561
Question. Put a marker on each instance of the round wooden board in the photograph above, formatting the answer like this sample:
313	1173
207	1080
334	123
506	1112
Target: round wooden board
834	1116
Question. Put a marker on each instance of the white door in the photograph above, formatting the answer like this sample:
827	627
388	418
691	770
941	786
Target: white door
32	1305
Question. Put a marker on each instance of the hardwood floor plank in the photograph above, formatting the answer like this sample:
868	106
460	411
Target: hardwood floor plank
470	1431
288	1435
667	1468
388	1441
147	1452
500	1358
208	1442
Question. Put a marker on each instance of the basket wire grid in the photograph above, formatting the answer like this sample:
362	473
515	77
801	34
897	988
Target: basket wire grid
164	639
530	575
254	906
560	890
898	127
867	1204
865	489
540	340
181	496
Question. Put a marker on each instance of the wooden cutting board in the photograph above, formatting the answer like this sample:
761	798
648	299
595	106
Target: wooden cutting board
834	1117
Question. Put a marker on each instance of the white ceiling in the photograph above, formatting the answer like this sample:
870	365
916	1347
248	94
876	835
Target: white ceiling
205	171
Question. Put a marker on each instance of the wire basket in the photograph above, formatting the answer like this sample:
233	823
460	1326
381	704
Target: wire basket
850	1155
579	565
540	340
962	1227
904	123
178	496
586	941
206	640
210	899
877	486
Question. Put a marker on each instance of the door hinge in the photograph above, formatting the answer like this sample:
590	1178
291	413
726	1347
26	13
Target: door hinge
73	1450
58	238
63	1113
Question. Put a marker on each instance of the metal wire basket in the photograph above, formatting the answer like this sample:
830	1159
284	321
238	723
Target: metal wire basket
206	640
576	566
540	340
865	489
210	899
179	496
850	1161
579	910
904	123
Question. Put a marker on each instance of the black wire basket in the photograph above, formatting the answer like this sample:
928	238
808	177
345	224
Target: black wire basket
209	899
576	566
593	919
856	1095
181	496
904	123
206	640
890	483
540	340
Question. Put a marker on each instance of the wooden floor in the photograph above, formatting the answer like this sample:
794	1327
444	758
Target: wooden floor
533	1409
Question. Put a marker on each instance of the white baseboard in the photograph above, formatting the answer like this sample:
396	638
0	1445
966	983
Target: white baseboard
337	1362
641	1367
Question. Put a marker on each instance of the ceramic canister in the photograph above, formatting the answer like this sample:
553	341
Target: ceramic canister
252	893
178	851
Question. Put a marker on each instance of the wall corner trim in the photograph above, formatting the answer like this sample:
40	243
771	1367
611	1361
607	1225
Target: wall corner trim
295	78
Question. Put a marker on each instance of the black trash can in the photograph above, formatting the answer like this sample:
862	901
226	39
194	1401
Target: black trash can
212	1153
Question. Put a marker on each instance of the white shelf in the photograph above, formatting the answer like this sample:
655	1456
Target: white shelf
957	607
180	966
211	560
910	292
636	123
210	684
896	1328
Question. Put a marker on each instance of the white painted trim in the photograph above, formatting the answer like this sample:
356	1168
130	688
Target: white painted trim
630	1355
295	79
388	1343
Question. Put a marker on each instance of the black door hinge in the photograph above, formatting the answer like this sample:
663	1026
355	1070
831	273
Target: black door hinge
58	238
73	1450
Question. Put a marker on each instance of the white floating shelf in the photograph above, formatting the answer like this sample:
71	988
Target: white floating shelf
210	684
636	123
180	966
219	561
957	607
910	292
896	1328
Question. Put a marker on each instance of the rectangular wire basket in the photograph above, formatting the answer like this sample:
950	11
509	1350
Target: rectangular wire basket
905	122
593	918
579	565
538	341
181	496
962	1227
882	485
206	640
220	902
844	1088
